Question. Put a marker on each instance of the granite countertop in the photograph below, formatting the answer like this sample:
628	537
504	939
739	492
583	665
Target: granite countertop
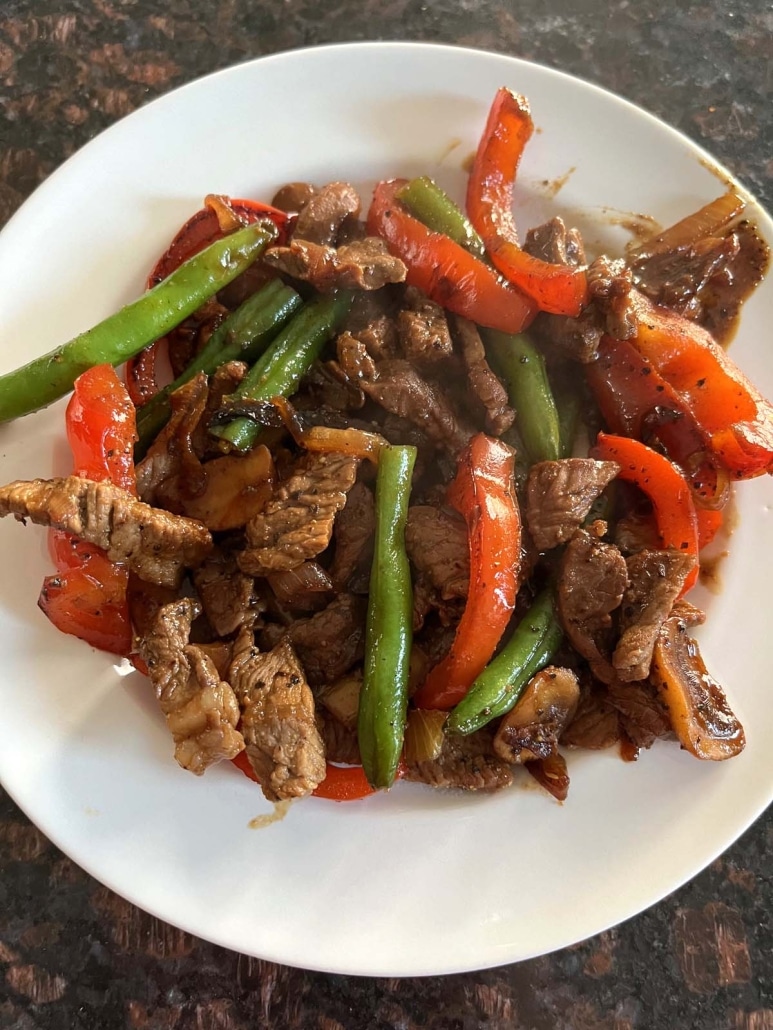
74	955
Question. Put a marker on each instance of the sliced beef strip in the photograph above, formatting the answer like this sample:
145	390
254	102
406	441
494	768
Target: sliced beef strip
328	388
592	580
656	579
340	743
354	534
437	543
465	762
293	197
362	265
172	453
560	494
201	710
423	330
155	544
428	599
596	723
642	714
554	243
297	523
332	641
485	386
371	321
323	214
227	594
282	741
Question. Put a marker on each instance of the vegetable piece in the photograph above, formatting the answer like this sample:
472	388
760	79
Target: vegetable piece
551	773
279	370
665	486
699	712
198	232
483	492
236	488
100	423
126	332
522	366
90	603
243	335
358	443
435	209
424	735
560	289
531	728
499	686
706	221
446	272
389	627
342	699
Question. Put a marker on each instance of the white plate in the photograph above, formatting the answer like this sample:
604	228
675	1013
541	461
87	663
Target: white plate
415	882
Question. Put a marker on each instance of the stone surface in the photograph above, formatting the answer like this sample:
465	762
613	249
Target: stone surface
72	954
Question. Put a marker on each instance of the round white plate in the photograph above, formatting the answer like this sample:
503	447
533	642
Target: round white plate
414	882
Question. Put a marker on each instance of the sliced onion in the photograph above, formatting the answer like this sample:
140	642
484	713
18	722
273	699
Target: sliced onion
357	443
704	222
227	218
424	735
308	578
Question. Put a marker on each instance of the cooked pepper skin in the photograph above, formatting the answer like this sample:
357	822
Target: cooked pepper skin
560	289
389	627
123	334
497	689
445	271
665	486
484	493
434	208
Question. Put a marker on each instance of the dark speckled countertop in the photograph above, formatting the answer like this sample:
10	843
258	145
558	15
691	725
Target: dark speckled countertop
72	954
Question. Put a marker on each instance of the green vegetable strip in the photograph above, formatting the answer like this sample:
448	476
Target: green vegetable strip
243	335
125	333
568	406
389	629
432	206
282	366
501	683
523	368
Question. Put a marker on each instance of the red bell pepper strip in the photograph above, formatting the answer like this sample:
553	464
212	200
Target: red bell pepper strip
197	233
734	418
87	597
560	289
666	488
483	492
445	271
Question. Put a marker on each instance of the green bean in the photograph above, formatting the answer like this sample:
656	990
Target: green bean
282	366
522	367
432	206
568	403
389	627
501	683
244	335
124	334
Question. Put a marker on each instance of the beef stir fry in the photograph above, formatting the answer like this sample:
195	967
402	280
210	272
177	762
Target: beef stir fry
420	502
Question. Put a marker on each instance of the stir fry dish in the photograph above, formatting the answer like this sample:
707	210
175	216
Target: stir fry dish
426	496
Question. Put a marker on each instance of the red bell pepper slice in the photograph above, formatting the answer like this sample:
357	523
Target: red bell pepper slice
197	233
484	494
734	418
89	602
560	289
666	488
446	272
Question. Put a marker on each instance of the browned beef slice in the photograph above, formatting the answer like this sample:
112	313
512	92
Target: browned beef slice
401	390
172	454
353	359
278	719
227	595
576	338
553	242
323	214
331	641
340	743
656	579
466	762
293	197
437	544
354	533
201	709
298	522
327	387
362	265
559	495
592	579
153	543
643	716
531	730
371	322
596	724
676	277
485	386
423	330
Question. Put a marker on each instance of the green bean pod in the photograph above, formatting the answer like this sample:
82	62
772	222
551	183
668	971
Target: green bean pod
281	367
431	205
389	628
568	403
124	334
501	683
243	335
522	367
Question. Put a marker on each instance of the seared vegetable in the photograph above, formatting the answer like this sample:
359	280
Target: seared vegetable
125	333
342	699
499	686
424	735
279	370
432	206
530	730
389	631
